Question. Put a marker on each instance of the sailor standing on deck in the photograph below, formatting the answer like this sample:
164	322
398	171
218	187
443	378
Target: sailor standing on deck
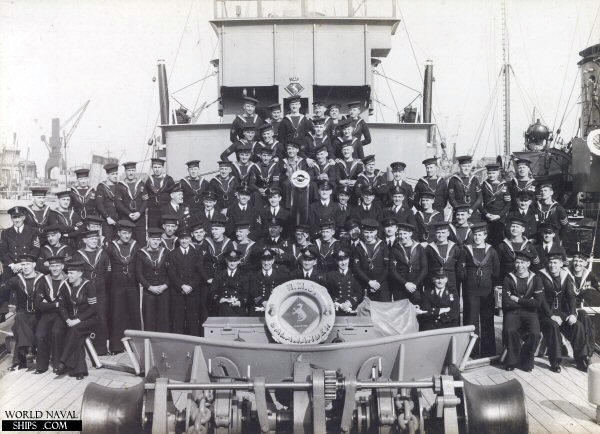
525	211
262	282
187	275
551	211
24	286
408	266
123	287
588	294
523	181
432	183
444	253
397	182
522	295
295	126
464	187
77	306
38	211
558	314
496	202
52	247
96	264
268	141
132	201
275	118
479	269
426	216
248	116
106	194
158	186
229	288
370	262
83	197
224	185
344	288
194	186
440	304
360	129
151	271
66	217
51	329
15	241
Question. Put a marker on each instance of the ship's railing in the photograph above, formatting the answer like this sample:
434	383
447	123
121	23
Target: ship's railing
244	9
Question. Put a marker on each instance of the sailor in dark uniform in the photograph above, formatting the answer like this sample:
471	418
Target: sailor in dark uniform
390	231
331	125
176	206
66	217
444	253
368	208
194	186
373	178
327	246
51	328
426	216
268	141
274	209
348	167
77	305
464	187
123	287
360	129
325	168
522	295
275	118
242	210
432	183
247	248
295	126
302	241
277	244
525	211
551	211
496	203
318	140
266	173
158	186
558	314
344	288
408	266
509	246
209	210
15	241
52	247
24	286
247	143
217	247
38	211
288	166
83	197
132	201
548	243
186	276
106	194
151	271
247	117
262	282
346	129
460	230
523	180
96	266
440	304
353	239
324	208
398	210
479	270
224	185
397	182
343	194
371	262
229	288
308	268
588	294
242	166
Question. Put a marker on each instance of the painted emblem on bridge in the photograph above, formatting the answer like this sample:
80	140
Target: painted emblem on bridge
300	312
294	88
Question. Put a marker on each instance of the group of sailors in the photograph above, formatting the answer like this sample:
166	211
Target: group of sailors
155	254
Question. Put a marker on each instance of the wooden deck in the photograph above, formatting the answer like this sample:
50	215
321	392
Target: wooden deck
555	402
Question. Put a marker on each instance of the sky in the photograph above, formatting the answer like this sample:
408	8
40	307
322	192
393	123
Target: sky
57	54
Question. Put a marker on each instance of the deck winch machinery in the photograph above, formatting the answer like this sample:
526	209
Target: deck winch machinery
352	387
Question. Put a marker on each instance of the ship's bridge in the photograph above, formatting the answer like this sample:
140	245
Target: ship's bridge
319	50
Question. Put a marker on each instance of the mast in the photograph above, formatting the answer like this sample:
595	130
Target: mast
506	73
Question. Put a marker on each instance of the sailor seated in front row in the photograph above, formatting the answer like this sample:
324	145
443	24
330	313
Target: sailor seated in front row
440	305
